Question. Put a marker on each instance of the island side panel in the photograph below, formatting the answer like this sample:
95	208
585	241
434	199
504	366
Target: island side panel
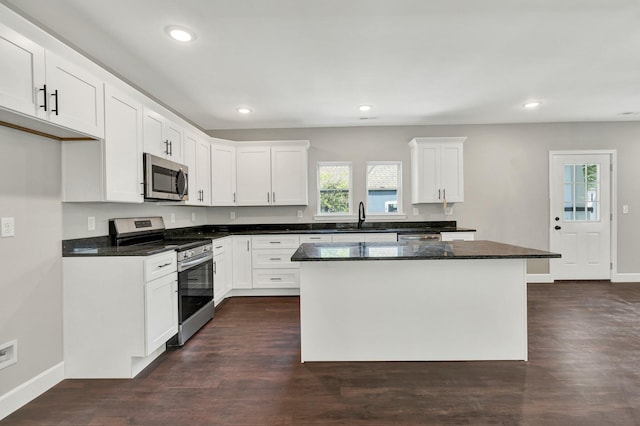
413	310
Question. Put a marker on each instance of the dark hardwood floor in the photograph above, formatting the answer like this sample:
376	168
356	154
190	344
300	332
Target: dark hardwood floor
243	369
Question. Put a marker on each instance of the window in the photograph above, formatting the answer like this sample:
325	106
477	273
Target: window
334	188
384	183
582	192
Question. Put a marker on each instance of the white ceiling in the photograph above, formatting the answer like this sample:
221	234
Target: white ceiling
310	63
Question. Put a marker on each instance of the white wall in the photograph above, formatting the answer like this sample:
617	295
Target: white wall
31	276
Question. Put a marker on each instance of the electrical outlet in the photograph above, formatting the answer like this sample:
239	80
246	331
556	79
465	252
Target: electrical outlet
91	223
7	226
173	218
232	215
416	211
193	217
8	354
625	209
299	214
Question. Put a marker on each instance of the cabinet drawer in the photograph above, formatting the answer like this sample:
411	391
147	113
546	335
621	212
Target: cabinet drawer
276	278
275	241
280	258
219	246
159	265
457	236
380	237
315	238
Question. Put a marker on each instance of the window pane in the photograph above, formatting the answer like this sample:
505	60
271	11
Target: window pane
382	187
581	192
334	183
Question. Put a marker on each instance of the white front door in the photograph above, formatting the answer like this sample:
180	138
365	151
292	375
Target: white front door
580	215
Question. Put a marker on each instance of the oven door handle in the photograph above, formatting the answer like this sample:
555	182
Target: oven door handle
195	261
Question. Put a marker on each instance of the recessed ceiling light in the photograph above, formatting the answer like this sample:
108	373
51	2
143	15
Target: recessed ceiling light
180	34
244	110
532	105
364	108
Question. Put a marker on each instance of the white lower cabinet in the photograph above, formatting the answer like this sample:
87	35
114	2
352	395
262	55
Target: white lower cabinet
364	237
242	277
161	311
271	261
457	236
222	266
118	313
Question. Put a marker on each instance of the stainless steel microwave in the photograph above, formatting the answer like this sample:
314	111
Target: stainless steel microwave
165	179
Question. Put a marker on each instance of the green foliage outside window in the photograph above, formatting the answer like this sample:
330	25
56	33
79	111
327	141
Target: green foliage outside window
334	189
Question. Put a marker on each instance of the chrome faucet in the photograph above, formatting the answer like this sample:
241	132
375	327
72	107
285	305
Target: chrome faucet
361	215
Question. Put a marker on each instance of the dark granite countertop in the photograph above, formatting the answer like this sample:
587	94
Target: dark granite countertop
415	251
101	246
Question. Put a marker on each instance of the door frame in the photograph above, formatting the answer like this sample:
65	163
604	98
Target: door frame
613	226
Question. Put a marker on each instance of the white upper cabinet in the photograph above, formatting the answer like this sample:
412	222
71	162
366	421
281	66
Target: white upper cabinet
223	173
197	156
109	169
43	85
272	173
162	137
289	175
21	73
437	170
253	175
75	97
123	148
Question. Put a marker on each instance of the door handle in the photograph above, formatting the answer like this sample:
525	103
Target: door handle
44	89
55	93
557	228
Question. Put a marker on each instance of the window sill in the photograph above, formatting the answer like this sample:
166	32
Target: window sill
353	218
385	217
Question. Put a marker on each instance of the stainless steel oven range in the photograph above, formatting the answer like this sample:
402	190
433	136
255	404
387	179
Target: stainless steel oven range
195	269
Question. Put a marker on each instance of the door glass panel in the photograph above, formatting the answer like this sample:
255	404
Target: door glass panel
581	192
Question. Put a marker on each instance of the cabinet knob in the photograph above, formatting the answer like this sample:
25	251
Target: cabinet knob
557	228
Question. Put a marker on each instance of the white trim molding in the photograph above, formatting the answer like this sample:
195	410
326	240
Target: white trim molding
622	277
30	390
539	278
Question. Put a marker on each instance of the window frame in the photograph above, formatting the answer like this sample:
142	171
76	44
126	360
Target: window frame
319	211
400	211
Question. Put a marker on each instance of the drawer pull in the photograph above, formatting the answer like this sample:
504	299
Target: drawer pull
275	242
275	279
275	258
219	247
164	264
315	238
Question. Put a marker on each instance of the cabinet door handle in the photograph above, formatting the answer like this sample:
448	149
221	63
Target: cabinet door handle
247	245
439	194
444	193
44	89
142	183
171	148
268	200
215	267
166	147
234	198
275	279
55	93
275	258
274	197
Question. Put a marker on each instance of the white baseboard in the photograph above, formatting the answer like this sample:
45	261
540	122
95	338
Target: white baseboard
625	278
539	278
30	390
265	292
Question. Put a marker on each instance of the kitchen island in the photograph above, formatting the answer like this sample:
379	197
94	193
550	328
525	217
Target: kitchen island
438	301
